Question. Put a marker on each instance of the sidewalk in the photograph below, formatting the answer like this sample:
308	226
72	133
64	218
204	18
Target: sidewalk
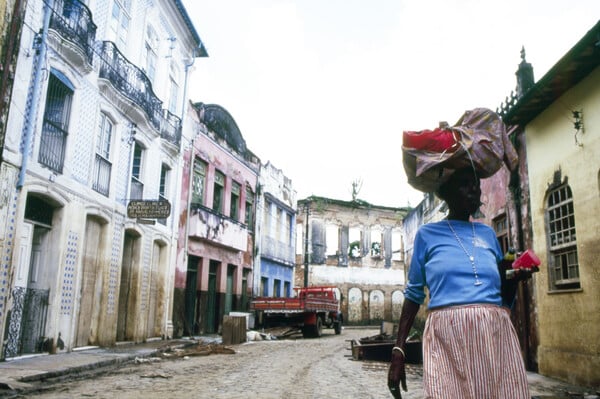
24	374
27	374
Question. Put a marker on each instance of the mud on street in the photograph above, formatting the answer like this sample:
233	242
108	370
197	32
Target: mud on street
290	368
285	368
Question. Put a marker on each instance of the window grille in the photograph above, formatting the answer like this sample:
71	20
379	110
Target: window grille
53	139
560	216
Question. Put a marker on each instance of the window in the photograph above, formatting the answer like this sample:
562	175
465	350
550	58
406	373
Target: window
278	222
563	260
163	187
332	235
118	26
198	182
277	288
267	219
249	208
501	229
287	229
102	165
150	53
235	201
396	245
354	238
218	190
286	289
376	238
173	95
264	286
53	139
137	187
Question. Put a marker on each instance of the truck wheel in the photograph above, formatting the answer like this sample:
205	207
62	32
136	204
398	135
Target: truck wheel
337	327
318	328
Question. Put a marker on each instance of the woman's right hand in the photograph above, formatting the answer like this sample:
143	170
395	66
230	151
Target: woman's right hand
397	375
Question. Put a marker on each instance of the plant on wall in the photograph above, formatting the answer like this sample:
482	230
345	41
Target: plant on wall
354	249
376	249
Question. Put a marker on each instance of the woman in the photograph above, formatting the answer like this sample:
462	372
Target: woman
470	348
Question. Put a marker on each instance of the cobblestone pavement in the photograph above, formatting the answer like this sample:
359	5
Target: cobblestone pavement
300	368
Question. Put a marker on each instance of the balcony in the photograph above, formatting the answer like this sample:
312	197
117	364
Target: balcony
52	146
129	88
72	33
170	128
205	224
278	250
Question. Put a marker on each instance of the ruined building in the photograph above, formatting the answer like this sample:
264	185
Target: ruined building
356	247
94	124
216	222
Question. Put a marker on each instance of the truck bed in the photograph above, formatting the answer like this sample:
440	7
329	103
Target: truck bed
292	305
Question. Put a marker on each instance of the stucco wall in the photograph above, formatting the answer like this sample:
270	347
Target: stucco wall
568	321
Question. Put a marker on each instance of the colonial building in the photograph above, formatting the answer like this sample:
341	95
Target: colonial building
216	222
94	123
559	126
356	247
275	231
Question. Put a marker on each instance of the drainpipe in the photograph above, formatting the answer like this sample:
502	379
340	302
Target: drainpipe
35	93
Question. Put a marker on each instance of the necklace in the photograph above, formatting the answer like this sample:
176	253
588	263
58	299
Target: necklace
470	256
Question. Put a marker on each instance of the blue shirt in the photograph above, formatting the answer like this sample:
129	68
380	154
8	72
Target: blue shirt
440	264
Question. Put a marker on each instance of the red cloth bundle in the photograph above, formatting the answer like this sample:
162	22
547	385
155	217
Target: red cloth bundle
437	140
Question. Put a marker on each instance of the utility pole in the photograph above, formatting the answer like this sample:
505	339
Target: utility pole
306	209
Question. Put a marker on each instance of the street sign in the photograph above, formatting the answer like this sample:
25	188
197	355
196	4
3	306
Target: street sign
148	209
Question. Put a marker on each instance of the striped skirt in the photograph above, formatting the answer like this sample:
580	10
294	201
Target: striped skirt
472	352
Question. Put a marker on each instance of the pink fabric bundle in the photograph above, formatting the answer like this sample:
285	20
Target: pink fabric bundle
478	139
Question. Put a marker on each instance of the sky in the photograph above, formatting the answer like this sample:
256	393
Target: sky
323	89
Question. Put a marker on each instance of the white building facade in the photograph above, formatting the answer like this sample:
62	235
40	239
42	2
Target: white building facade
94	123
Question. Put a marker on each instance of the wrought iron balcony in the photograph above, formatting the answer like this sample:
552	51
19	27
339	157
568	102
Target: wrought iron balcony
130	81
52	146
170	128
72	20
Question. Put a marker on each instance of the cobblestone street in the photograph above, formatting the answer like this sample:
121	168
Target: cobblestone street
293	368
303	368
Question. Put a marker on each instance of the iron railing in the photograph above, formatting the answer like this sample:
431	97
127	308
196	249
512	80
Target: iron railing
52	146
130	81
170	128
73	20
102	169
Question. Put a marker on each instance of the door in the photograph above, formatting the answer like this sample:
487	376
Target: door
126	326
153	331
90	291
229	289
35	305
211	300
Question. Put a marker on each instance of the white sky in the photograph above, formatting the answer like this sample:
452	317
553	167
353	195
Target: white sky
323	89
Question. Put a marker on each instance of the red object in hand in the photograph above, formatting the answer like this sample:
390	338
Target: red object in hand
527	260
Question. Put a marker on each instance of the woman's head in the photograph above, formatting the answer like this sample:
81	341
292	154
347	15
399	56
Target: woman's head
462	193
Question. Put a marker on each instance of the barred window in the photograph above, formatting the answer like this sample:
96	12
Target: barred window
563	262
198	182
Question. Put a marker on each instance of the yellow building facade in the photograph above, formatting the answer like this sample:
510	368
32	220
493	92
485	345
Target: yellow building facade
563	151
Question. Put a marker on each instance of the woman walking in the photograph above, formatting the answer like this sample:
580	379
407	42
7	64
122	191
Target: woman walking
470	347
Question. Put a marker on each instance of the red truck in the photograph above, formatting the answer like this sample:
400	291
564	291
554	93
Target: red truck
311	309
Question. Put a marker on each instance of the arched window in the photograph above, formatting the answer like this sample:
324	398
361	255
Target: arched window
560	217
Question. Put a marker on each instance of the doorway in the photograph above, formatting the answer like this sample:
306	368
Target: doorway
126	321
91	286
